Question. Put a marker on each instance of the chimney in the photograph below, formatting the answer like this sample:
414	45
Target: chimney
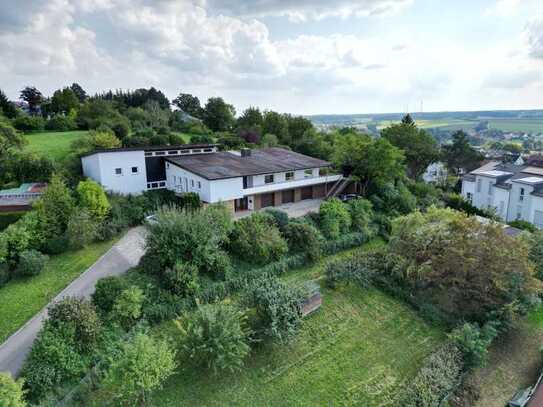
245	152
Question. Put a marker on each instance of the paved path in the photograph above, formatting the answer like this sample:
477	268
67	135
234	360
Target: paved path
124	255
294	210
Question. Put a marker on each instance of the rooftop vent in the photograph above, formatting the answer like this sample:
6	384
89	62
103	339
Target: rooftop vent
245	152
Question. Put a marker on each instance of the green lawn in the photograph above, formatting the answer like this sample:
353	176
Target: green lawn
526	125
21	299
356	349
54	145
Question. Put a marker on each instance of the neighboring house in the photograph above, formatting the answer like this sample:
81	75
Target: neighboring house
20	199
435	173
246	180
515	191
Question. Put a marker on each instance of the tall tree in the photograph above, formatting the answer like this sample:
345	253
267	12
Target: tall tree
276	124
408	120
297	127
251	119
63	101
79	92
419	147
189	104
219	115
54	208
6	106
375	162
460	155
33	97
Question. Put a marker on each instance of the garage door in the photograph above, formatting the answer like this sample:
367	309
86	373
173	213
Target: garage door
288	196
267	200
307	193
538	219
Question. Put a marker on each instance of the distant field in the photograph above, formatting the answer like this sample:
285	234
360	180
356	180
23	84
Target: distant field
444	124
54	145
526	125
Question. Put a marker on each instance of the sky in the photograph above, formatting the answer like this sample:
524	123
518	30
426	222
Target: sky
297	56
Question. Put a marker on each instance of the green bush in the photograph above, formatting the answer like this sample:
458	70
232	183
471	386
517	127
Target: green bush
256	240
473	342
29	123
523	225
437	378
280	218
127	308
335	218
190	201
81	230
278	308
11	391
214	337
79	314
61	123
93	198
304	237
107	291
31	263
182	279
143	366
54	359
361	215
353	269
5	274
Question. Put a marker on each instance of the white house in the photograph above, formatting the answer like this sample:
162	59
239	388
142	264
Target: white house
515	191
246	180
435	173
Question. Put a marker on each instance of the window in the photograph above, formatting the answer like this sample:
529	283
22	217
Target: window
172	152
208	150
199	185
469	197
196	151
479	183
268	179
148	154
134	170
160	153
521	196
185	151
162	184
118	171
289	176
308	173
192	183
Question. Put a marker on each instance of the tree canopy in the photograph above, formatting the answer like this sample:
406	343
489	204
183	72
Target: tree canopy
460	155
189	104
219	115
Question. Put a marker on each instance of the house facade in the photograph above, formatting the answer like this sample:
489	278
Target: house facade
245	180
514	191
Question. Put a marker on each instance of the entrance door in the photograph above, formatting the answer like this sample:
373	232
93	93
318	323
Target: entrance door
288	196
241	204
307	192
267	200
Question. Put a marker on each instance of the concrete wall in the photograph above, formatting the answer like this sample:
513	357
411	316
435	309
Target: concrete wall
501	202
180	180
101	168
468	187
518	207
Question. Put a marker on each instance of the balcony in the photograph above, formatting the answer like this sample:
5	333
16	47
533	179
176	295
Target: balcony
278	186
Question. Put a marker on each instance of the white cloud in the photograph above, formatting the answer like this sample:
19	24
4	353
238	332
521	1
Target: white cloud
303	10
503	8
534	36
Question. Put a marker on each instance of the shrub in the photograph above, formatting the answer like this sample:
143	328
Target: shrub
535	242
11	391
93	198
81	230
143	366
353	269
31	263
182	279
361	215
107	291
280	218
121	130
53	359
473	342
56	245
214	337
335	219
523	225
278	308
254	239
305	238
127	307
436	379
61	123
5	273
79	314
190	201
29	123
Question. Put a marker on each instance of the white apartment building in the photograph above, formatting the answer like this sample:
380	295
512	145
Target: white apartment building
246	180
515	191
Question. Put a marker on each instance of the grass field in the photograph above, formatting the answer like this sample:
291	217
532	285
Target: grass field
54	145
21	299
355	350
444	124
514	363
525	125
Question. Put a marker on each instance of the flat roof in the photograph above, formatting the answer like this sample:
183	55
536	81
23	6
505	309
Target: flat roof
530	180
493	173
226	164
150	148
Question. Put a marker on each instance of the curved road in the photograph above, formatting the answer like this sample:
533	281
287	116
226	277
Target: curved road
125	254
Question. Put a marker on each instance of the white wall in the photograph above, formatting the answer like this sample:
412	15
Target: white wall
91	167
517	206
501	202
226	189
537	205
127	183
468	186
178	183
